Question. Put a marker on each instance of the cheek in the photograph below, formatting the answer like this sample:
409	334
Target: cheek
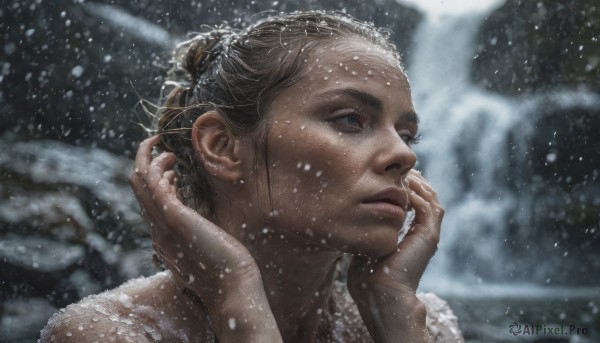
313	171
309	181
308	158
298	177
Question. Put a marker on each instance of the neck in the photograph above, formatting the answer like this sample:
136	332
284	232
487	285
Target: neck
297	276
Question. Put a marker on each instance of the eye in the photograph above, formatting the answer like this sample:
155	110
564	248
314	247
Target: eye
409	138
352	120
348	120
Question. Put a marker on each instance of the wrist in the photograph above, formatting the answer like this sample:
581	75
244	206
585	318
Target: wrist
393	317
242	313
223	288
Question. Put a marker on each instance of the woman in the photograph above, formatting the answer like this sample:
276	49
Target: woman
293	139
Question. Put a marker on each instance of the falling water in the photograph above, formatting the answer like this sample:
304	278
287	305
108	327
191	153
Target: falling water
466	153
458	117
466	133
471	138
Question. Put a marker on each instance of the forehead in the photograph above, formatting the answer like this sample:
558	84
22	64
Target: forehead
352	58
350	62
357	51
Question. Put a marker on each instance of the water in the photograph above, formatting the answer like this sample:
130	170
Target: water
492	266
460	123
467	132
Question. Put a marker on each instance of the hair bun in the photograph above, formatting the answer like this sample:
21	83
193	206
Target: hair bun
196	54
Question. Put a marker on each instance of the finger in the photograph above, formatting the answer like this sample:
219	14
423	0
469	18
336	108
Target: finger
165	161
143	156
417	183
420	206
423	191
426	224
427	212
158	167
416	250
166	196
415	175
170	176
142	160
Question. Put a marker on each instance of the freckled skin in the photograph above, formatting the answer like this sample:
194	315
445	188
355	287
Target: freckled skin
334	139
155	309
319	170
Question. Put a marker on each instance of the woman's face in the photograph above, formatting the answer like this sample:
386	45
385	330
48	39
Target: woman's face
338	149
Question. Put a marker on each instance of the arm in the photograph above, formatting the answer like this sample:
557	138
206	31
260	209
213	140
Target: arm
385	289
201	256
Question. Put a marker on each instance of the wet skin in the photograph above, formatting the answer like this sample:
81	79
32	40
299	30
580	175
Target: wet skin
339	181
339	151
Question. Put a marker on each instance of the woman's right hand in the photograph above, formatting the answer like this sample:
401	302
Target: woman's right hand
384	289
201	256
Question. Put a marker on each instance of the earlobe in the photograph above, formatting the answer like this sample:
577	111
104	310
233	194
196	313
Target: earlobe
216	147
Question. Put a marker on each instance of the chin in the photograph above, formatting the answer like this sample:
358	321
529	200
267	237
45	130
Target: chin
374	252
376	245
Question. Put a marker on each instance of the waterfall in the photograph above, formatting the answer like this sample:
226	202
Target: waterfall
465	150
463	128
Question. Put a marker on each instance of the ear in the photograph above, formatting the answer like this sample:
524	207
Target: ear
216	146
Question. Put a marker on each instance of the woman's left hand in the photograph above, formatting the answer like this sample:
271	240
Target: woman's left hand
384	289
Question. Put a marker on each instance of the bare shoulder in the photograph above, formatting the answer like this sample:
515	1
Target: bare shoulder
92	321
142	310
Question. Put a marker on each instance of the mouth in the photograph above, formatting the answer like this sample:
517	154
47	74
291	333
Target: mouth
391	202
386	200
393	196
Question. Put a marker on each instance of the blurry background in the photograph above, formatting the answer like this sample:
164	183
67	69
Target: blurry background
509	95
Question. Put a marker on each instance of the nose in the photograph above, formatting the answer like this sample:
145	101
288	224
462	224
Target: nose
394	156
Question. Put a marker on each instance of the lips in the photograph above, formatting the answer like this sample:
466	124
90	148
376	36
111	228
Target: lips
389	203
393	196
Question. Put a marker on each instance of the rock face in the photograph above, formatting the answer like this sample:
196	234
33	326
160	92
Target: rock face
22	317
69	227
554	168
75	71
546	54
534	46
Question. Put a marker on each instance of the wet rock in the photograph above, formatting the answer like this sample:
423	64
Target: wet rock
554	161
75	71
22	319
534	46
72	75
58	213
84	283
68	222
38	254
134	263
44	177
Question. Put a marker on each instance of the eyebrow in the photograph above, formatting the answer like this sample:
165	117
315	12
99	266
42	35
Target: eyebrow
361	96
372	102
410	116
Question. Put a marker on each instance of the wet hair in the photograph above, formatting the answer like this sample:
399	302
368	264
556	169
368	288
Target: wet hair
238	73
